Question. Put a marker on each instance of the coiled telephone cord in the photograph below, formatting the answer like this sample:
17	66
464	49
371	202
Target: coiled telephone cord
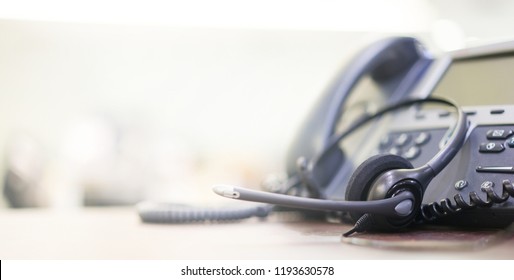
445	207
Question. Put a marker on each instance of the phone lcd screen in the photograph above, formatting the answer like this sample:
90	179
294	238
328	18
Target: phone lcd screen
484	80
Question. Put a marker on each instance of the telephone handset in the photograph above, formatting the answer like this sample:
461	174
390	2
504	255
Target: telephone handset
394	66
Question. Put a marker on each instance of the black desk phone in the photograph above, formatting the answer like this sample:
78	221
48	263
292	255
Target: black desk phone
477	183
443	166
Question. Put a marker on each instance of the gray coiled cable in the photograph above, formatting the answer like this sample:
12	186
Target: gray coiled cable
174	213
169	213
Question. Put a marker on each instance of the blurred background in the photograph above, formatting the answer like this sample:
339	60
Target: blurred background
112	102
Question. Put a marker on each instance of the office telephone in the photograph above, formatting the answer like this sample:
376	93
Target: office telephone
469	150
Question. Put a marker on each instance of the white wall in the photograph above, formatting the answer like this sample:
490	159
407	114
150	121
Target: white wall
227	101
133	105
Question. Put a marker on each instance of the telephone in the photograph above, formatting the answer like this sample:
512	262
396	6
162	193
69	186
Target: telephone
475	189
424	163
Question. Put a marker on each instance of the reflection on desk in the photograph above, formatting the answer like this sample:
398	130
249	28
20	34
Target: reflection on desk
117	233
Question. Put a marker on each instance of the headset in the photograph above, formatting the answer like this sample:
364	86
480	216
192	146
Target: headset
384	193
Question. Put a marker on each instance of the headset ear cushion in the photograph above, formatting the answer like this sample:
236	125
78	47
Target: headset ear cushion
364	176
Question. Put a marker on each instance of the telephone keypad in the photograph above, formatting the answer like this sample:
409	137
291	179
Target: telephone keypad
405	144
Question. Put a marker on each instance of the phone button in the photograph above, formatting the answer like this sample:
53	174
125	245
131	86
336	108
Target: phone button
491	147
510	142
402	140
412	153
499	134
459	185
386	142
486	185
395	151
444	113
422	138
495	169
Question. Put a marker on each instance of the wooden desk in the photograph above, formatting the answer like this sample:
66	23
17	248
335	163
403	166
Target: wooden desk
117	233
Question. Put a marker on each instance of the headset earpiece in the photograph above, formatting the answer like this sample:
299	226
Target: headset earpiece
367	172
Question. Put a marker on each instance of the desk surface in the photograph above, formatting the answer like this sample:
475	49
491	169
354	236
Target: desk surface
117	233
